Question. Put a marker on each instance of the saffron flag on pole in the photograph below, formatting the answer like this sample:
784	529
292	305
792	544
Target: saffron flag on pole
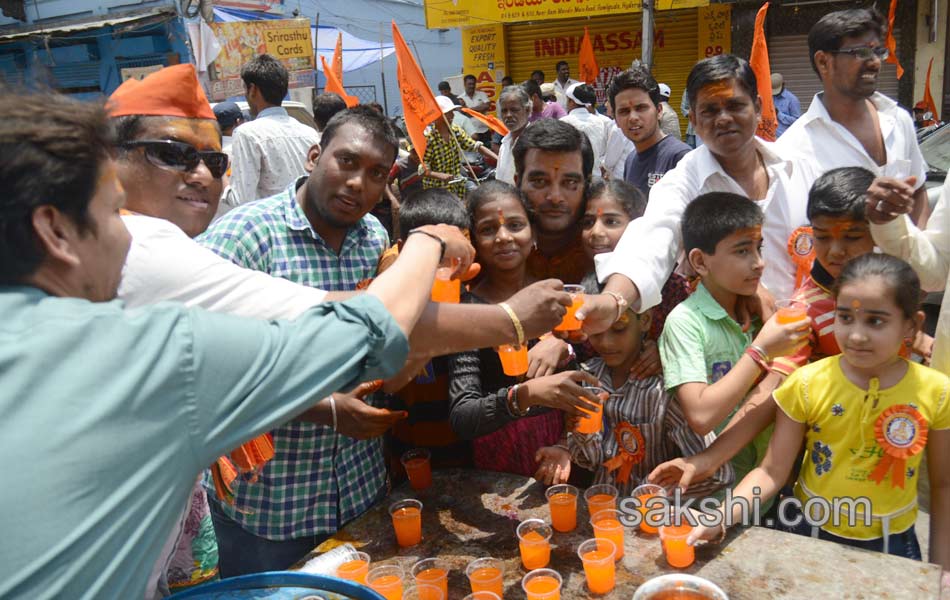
419	107
928	97
491	121
759	61
337	63
335	86
588	63
889	40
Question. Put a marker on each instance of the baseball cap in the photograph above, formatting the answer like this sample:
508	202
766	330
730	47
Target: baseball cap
227	113
665	90
445	103
581	93
547	89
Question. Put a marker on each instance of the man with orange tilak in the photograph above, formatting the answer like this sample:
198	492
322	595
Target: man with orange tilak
724	110
167	111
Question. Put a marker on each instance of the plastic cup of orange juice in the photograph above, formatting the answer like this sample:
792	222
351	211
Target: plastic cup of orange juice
597	557
486	575
534	542
790	311
421	591
542	584
644	493
514	359
418	468
407	521
387	580
607	526
592	422
562	500
444	288
600	497
678	553
482	596
570	322
432	572
355	569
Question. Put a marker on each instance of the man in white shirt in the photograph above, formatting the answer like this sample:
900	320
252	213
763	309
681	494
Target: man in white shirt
563	82
850	124
478	101
597	127
514	106
725	110
269	152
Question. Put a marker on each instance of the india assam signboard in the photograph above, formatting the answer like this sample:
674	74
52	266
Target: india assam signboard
287	40
467	13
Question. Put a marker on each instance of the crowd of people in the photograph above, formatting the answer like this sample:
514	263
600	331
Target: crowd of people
263	306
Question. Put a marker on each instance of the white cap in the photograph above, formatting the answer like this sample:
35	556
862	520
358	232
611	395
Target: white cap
569	92
445	103
665	90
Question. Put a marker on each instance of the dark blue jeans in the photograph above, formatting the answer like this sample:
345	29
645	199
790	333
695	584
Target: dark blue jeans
240	552
903	544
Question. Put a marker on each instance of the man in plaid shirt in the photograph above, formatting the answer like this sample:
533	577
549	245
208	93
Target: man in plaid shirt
318	233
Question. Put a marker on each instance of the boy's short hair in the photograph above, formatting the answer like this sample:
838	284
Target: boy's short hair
637	78
830	30
432	207
713	217
720	68
840	193
553	135
627	195
326	105
269	75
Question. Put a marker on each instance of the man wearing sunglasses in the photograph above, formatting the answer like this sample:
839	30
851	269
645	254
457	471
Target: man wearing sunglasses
850	123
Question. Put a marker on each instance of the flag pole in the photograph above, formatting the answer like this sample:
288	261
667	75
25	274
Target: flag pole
459	146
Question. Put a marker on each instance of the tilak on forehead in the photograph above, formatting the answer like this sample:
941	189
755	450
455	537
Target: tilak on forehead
501	217
720	90
170	92
838	230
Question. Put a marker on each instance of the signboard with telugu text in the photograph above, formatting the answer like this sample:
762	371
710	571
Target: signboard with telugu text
715	31
468	13
287	40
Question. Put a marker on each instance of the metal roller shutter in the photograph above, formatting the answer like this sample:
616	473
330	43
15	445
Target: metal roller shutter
788	55
616	40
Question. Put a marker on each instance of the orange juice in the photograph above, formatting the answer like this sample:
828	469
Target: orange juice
570	322
591	422
446	290
407	522
563	507
643	513
599	502
354	570
790	311
607	526
514	359
487	579
599	569
535	550
418	468
389	586
543	587
433	577
678	553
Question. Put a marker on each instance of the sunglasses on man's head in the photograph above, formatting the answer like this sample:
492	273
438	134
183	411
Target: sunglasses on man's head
179	156
865	52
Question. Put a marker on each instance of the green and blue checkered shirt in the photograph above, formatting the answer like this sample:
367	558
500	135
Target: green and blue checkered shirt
318	480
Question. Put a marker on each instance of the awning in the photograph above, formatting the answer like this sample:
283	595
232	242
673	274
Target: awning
64	27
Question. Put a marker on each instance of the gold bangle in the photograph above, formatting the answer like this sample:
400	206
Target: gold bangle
519	330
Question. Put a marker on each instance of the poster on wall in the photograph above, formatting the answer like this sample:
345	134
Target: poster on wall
483	55
287	40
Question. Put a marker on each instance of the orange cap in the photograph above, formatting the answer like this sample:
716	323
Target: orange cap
171	92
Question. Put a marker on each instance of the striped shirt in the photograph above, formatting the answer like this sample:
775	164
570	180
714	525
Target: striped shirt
318	480
644	404
820	306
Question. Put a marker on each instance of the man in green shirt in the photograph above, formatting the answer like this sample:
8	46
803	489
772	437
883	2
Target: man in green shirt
109	415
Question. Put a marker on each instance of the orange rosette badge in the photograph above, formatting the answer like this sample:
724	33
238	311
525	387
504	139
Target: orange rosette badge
801	247
630	451
902	432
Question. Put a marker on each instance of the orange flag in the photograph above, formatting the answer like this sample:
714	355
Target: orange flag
491	121
588	63
419	107
759	61
338	57
928	98
335	86
889	40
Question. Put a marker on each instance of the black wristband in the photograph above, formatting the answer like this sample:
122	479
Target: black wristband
433	236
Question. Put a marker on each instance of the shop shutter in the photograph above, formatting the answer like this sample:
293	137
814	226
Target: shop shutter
616	40
788	55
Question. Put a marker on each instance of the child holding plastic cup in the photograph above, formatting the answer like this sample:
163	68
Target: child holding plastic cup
508	418
643	425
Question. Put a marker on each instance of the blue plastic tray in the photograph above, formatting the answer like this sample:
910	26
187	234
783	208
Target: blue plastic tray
280	585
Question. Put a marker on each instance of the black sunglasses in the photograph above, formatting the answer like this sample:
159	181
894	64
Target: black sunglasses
865	52
179	156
